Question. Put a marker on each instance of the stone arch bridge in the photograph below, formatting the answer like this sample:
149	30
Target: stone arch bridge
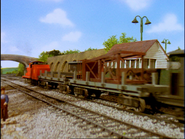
56	63
25	60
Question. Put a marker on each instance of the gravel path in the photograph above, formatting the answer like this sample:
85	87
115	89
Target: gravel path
32	119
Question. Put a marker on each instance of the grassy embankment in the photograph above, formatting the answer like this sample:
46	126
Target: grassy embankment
8	70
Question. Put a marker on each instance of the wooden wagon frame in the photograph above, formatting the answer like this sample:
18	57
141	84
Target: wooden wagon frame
97	66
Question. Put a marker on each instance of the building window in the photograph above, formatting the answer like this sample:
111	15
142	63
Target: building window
146	63
127	63
137	63
153	63
132	63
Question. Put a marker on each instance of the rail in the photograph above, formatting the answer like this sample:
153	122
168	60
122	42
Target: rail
113	127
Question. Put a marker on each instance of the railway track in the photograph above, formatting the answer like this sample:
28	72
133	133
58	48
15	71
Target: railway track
168	119
100	124
158	116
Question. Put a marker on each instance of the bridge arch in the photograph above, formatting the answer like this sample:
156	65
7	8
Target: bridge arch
18	58
25	60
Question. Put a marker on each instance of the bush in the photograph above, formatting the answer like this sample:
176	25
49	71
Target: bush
20	70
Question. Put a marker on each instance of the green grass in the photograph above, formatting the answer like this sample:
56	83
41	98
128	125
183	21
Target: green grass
5	70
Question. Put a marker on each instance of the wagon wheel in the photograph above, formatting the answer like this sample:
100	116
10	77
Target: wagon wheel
75	91
54	86
71	89
39	83
26	80
47	85
86	93
60	88
97	94
67	90
31	82
142	105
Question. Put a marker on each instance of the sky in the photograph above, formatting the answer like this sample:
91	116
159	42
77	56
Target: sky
29	27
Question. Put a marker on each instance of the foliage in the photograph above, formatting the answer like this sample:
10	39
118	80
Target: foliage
89	49
123	39
20	70
179	48
54	53
113	40
13	72
44	55
71	52
110	42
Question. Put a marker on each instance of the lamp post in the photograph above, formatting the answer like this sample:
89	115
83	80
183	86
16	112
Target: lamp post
166	41
141	24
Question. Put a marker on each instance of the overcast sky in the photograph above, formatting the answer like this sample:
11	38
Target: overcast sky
29	27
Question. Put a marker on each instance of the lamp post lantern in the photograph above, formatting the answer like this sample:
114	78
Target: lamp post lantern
166	41
141	24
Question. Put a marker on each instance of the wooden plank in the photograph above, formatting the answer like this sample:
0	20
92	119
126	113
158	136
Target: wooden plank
118	68
91	71
99	68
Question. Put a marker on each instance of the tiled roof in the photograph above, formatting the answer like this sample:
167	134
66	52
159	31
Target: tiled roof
139	46
130	49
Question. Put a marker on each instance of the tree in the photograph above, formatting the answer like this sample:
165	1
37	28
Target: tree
20	70
179	48
113	40
54	53
123	39
110	42
43	56
71	52
89	49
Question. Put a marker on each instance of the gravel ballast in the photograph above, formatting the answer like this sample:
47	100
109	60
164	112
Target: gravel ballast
30	118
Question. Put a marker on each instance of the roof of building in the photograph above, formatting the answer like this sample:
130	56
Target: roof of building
176	52
139	46
130	49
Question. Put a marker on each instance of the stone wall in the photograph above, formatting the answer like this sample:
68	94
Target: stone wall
59	63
